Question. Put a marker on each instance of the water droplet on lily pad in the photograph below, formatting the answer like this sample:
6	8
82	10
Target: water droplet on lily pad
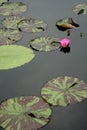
12	8
63	91
45	43
66	23
24	113
12	56
8	36
80	9
32	25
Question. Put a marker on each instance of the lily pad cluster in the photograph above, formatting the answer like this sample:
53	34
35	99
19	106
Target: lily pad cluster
32	112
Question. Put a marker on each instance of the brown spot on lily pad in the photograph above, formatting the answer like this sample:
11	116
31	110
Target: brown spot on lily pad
66	23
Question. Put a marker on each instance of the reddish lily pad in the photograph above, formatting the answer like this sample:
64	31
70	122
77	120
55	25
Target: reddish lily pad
8	36
24	113
12	8
64	91
12	22
80	9
32	25
66	23
45	43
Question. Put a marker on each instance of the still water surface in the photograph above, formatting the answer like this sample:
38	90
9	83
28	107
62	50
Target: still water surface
29	79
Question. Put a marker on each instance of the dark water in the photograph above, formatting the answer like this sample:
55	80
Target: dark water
29	79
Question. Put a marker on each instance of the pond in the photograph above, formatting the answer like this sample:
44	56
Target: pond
28	79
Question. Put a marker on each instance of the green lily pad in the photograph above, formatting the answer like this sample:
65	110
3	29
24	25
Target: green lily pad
45	43
32	25
66	23
80	9
12	56
12	8
12	22
24	113
3	1
8	36
64	91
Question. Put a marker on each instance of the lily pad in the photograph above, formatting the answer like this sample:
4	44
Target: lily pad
12	22
66	23
24	113
12	56
45	43
8	36
3	1
12	8
63	91
32	25
80	9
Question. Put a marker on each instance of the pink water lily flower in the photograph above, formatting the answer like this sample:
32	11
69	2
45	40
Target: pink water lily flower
65	42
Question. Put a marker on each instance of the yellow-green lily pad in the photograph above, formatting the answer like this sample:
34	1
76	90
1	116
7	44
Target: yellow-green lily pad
12	56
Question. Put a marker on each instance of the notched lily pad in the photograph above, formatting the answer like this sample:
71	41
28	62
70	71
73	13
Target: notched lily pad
64	91
3	1
24	113
80	9
45	43
12	22
32	25
66	23
8	36
12	56
12	8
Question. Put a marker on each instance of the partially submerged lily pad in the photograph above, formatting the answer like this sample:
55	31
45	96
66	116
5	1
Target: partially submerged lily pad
64	91
12	56
66	23
12	8
3	1
32	25
12	22
45	43
24	113
8	36
80	9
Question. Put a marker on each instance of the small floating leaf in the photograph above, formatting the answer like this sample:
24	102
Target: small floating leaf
12	8
64	91
12	56
80	9
24	113
12	22
32	25
8	36
67	23
45	44
3	1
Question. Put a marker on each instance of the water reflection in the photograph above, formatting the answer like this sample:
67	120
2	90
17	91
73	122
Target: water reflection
65	50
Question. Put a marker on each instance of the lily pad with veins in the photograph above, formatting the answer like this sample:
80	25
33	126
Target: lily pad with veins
12	56
45	43
66	23
8	36
24	113
32	25
80	9
12	8
12	22
63	91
